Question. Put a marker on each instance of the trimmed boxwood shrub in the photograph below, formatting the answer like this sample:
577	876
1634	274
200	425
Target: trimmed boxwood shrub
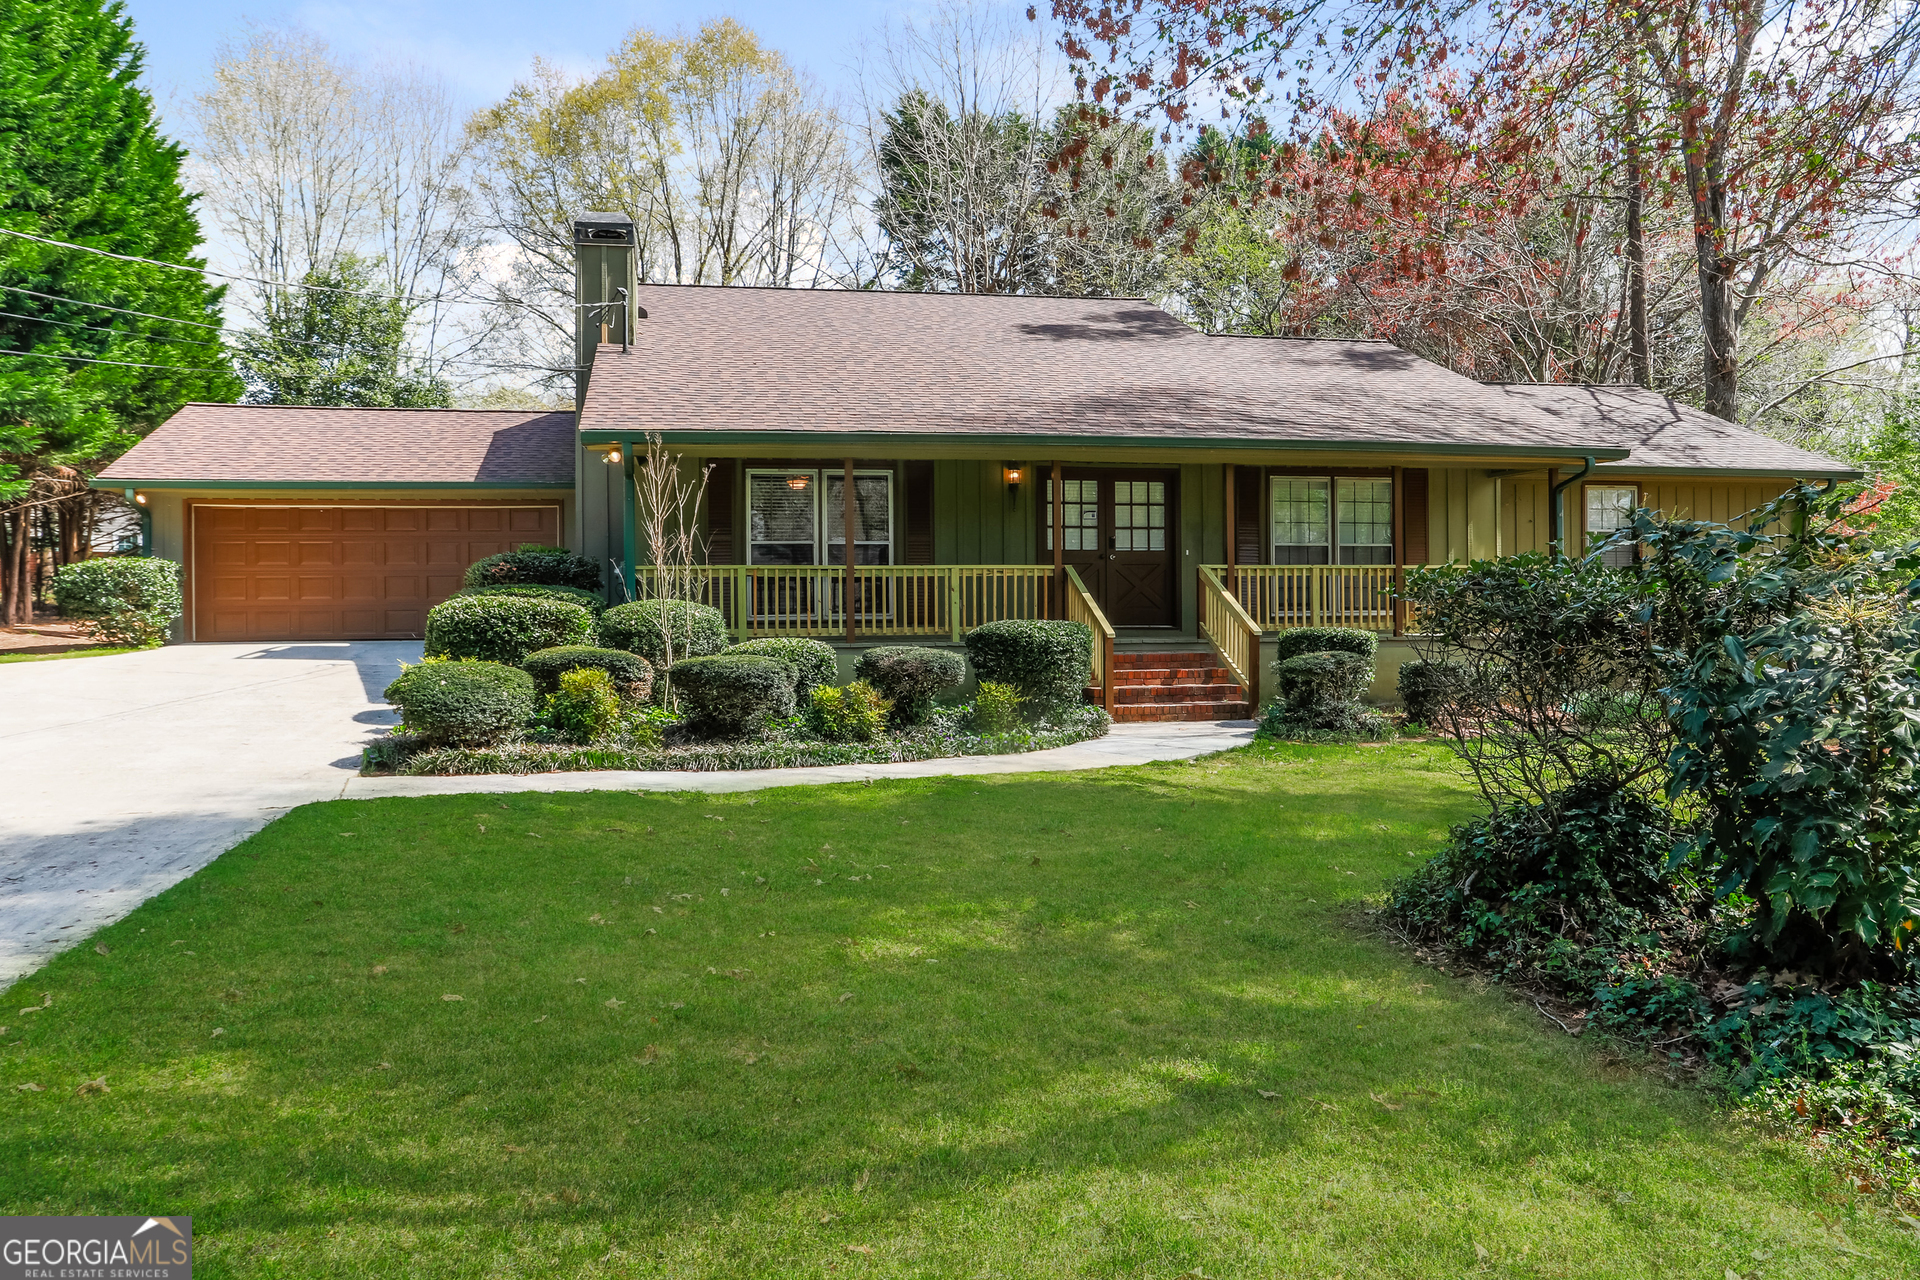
541	591
730	696
504	628
632	675
1322	690
549	566
909	677
813	661
122	600
1426	685
463	703
1298	640
1048	662
699	630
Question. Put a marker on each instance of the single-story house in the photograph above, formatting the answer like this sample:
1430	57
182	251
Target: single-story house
985	456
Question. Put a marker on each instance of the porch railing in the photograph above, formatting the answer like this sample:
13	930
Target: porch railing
1233	633
1081	608
1278	596
889	601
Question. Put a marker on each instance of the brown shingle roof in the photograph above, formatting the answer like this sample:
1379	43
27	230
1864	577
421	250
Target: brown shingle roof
293	444
766	363
1664	434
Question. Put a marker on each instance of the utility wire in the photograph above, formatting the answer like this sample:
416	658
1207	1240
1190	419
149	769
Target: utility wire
50	355
277	284
144	315
113	333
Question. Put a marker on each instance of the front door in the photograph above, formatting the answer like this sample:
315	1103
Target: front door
1118	527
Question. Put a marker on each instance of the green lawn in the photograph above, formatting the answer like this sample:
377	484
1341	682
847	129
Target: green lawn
1113	1024
100	651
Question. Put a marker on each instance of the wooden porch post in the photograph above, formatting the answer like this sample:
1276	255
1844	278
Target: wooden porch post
1059	542
1233	532
851	512
1399	550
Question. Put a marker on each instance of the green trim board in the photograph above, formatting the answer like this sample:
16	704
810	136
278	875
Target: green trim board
992	446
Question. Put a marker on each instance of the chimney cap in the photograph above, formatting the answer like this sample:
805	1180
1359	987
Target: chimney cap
614	229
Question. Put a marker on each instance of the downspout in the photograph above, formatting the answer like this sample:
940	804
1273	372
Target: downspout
1554	519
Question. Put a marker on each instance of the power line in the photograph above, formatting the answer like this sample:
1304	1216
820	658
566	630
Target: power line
117	333
49	355
144	315
276	284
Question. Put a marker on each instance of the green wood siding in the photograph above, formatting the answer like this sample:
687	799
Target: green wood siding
977	520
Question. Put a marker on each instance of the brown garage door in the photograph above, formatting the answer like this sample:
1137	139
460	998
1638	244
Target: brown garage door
342	573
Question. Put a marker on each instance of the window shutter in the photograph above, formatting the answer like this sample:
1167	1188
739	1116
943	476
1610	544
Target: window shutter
1248	484
919	496
720	513
1413	487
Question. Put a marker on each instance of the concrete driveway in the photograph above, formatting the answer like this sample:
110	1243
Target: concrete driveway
121	775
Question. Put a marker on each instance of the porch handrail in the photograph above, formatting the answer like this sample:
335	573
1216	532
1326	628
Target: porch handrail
1279	596
1232	632
891	601
1082	608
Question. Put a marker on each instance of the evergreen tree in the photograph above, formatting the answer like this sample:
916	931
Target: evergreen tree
82	161
334	343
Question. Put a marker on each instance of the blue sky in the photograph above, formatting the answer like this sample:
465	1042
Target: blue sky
481	46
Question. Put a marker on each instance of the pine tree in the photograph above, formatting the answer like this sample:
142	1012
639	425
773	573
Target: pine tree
81	160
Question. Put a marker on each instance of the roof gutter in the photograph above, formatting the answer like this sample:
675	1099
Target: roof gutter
1554	519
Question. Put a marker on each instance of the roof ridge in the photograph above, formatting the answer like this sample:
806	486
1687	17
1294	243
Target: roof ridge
367	408
913	293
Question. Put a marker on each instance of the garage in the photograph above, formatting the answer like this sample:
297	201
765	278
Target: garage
361	572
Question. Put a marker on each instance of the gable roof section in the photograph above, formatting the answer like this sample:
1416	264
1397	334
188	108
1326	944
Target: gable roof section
1665	435
788	365
299	445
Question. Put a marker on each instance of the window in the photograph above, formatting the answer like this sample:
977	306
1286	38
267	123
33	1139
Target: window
1365	518
1139	515
793	518
1609	508
1324	520
1079	513
1300	523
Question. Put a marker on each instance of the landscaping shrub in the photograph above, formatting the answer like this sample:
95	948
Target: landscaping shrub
585	708
909	677
504	628
547	566
121	600
813	661
1298	640
632	675
1426	686
541	591
464	703
996	707
645	626
856	713
1048	662
1320	692
729	696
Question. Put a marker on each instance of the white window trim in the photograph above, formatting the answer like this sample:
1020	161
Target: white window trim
824	527
1333	543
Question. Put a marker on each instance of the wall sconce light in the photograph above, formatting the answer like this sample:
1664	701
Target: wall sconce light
798	483
135	496
140	498
1014	473
613	455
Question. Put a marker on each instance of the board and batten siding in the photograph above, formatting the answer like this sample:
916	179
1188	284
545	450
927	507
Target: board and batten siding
1524	522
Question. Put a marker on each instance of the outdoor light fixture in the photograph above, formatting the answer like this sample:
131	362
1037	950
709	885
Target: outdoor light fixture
613	454
1014	475
797	483
140	498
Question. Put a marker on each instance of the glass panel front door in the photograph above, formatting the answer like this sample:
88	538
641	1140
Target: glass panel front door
1117	535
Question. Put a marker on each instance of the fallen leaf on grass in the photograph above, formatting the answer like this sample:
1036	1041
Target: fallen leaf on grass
96	1085
452	997
219	1031
1192	905
101	947
614	1002
861	1183
458	928
653	931
1480	1252
648	1056
383	1066
580	981
510	1147
1391	1106
860	1248
542	1018
1266	1093
377	970
844	997
31	1087
596	918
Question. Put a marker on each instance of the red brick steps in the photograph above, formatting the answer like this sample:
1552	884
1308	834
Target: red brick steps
1186	685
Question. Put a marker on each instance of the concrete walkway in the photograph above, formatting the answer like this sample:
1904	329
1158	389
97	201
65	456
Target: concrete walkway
123	775
1126	744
